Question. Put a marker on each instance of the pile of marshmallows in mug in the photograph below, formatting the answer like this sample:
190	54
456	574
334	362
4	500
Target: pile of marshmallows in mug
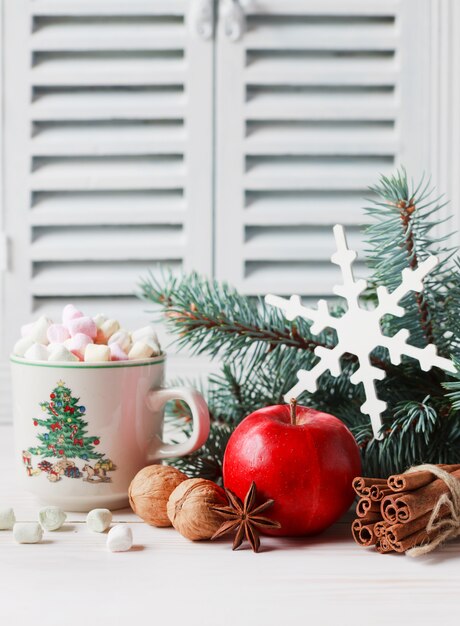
83	338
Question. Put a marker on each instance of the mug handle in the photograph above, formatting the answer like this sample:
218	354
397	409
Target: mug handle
157	399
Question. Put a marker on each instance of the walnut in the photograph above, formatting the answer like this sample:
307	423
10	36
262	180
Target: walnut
149	492
189	508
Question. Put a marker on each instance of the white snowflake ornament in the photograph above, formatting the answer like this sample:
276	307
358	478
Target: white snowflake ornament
359	330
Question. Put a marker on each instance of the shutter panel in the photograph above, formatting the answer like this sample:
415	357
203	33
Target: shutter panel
314	101
4	386
109	115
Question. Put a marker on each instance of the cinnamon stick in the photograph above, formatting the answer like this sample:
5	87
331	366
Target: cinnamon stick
362	485
389	510
386	545
371	516
396	532
365	505
380	528
383	546
406	507
378	492
416	480
416	539
363	534
406	513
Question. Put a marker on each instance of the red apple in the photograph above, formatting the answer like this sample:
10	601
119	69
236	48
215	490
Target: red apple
302	458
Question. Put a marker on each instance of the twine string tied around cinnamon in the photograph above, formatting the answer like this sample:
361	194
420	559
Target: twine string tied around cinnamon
446	527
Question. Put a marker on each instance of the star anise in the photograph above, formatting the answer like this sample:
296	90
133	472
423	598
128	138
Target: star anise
245	518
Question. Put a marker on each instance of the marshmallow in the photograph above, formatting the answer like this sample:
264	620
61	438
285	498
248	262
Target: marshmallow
109	327
106	330
140	350
77	344
21	346
99	319
120	538
57	333
27	533
117	353
153	342
51	517
27	329
7	519
60	353
39	331
70	312
149	336
84	325
97	352
140	333
98	520
123	338
67	342
36	352
100	337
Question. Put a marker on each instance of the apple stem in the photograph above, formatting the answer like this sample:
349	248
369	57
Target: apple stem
293	404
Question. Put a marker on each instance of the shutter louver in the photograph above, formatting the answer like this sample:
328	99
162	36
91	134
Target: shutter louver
314	116
119	118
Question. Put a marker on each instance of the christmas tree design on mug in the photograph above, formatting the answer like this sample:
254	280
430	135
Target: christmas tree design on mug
65	437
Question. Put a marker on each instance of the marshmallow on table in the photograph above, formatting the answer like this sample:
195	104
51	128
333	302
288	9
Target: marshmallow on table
57	333
140	350
97	352
21	346
120	538
57	352
117	353
7	519
51	517
70	312
84	325
27	532
36	352
98	520
77	344
39	331
123	338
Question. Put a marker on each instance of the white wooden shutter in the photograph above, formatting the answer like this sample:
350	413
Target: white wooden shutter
4	386
314	101
109	118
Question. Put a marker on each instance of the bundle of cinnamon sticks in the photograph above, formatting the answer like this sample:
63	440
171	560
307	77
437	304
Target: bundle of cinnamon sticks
393	514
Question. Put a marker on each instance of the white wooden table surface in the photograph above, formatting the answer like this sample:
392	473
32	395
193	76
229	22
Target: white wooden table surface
71	579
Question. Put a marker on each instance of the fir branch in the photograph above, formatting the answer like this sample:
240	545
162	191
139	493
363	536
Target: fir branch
453	386
400	237
407	441
214	318
261	351
407	208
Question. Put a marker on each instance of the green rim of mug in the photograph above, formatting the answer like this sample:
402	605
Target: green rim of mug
86	366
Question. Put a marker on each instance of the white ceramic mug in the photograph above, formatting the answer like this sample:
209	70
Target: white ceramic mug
83	430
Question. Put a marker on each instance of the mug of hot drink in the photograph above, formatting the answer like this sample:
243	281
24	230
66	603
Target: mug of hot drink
83	429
